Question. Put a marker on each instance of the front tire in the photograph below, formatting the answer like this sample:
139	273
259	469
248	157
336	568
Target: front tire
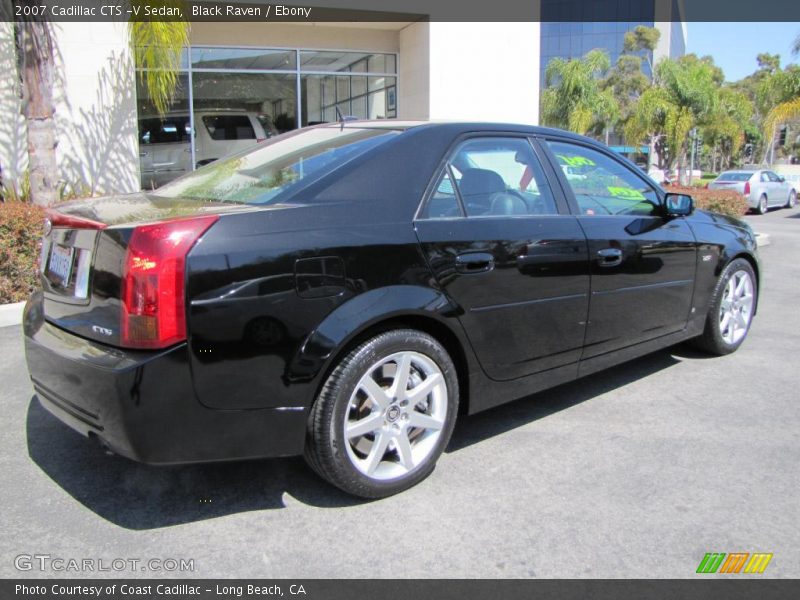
763	205
730	313
384	415
792	199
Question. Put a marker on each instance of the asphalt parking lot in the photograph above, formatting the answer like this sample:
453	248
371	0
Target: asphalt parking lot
634	472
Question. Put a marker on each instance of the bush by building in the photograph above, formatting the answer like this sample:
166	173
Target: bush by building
20	239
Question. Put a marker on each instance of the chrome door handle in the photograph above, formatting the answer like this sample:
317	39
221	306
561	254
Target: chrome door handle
609	257
474	262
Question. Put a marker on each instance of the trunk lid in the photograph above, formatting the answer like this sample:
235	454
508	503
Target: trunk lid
84	251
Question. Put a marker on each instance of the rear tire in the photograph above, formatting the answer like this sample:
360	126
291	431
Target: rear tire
792	200
384	415
731	309
763	205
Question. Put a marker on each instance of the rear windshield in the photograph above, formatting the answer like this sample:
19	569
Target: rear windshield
273	170
734	176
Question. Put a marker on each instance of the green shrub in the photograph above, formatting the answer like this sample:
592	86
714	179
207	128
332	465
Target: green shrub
20	241
726	202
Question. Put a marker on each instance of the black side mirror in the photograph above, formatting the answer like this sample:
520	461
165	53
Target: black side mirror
678	205
781	179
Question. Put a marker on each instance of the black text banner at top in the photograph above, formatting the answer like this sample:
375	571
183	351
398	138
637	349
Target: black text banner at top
401	10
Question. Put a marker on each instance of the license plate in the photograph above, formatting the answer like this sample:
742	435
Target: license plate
59	268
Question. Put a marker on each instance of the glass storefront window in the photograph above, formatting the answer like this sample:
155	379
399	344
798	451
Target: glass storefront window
240	96
356	62
164	151
244	58
356	95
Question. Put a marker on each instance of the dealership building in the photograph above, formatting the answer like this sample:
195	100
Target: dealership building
248	80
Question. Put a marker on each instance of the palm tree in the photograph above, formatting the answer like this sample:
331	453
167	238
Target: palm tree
573	99
684	91
35	42
156	47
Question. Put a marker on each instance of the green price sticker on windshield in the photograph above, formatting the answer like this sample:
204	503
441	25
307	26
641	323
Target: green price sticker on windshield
625	192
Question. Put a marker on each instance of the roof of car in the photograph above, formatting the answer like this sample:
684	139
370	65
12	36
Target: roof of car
466	126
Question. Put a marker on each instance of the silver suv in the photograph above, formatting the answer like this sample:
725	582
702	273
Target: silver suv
164	151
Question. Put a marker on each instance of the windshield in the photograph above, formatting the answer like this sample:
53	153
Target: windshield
734	176
270	172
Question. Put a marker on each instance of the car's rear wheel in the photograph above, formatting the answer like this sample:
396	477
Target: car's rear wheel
733	304
763	205
792	199
384	415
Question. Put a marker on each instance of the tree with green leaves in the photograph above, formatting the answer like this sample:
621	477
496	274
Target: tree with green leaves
642	41
156	47
626	81
723	128
683	92
574	99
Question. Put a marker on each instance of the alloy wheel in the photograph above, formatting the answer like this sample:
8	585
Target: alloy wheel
396	415
736	308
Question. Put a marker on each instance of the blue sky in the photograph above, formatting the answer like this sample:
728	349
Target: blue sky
734	45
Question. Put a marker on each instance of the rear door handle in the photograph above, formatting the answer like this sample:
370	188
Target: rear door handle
609	257
474	262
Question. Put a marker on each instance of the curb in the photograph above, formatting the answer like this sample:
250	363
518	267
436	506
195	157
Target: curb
11	314
762	239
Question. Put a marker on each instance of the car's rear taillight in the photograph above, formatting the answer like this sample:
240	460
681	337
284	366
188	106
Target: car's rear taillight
153	305
746	188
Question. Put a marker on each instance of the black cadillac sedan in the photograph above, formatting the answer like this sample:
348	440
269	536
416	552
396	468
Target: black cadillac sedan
345	291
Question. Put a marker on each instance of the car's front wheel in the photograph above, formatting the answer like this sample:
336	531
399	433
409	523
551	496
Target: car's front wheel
733	304
384	415
792	199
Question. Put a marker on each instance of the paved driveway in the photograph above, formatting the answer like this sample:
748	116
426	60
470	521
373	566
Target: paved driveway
635	472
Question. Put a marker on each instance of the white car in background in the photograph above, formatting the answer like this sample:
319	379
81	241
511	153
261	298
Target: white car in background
761	188
164	150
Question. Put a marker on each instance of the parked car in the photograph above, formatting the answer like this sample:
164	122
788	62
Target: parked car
346	291
164	150
761	188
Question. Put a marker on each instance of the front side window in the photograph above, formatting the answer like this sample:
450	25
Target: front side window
500	177
602	185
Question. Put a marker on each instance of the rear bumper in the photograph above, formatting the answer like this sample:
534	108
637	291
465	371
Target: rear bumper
142	405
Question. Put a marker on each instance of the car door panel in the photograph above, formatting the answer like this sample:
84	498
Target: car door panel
527	313
642	264
520	279
646	295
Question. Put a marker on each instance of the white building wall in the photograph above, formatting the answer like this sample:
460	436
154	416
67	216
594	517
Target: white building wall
414	84
472	71
95	110
95	113
13	140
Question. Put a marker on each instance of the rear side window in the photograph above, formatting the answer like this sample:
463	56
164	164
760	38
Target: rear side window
602	185
169	130
732	176
493	176
270	172
229	127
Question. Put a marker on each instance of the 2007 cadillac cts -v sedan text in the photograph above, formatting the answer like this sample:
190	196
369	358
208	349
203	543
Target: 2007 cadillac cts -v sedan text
346	290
